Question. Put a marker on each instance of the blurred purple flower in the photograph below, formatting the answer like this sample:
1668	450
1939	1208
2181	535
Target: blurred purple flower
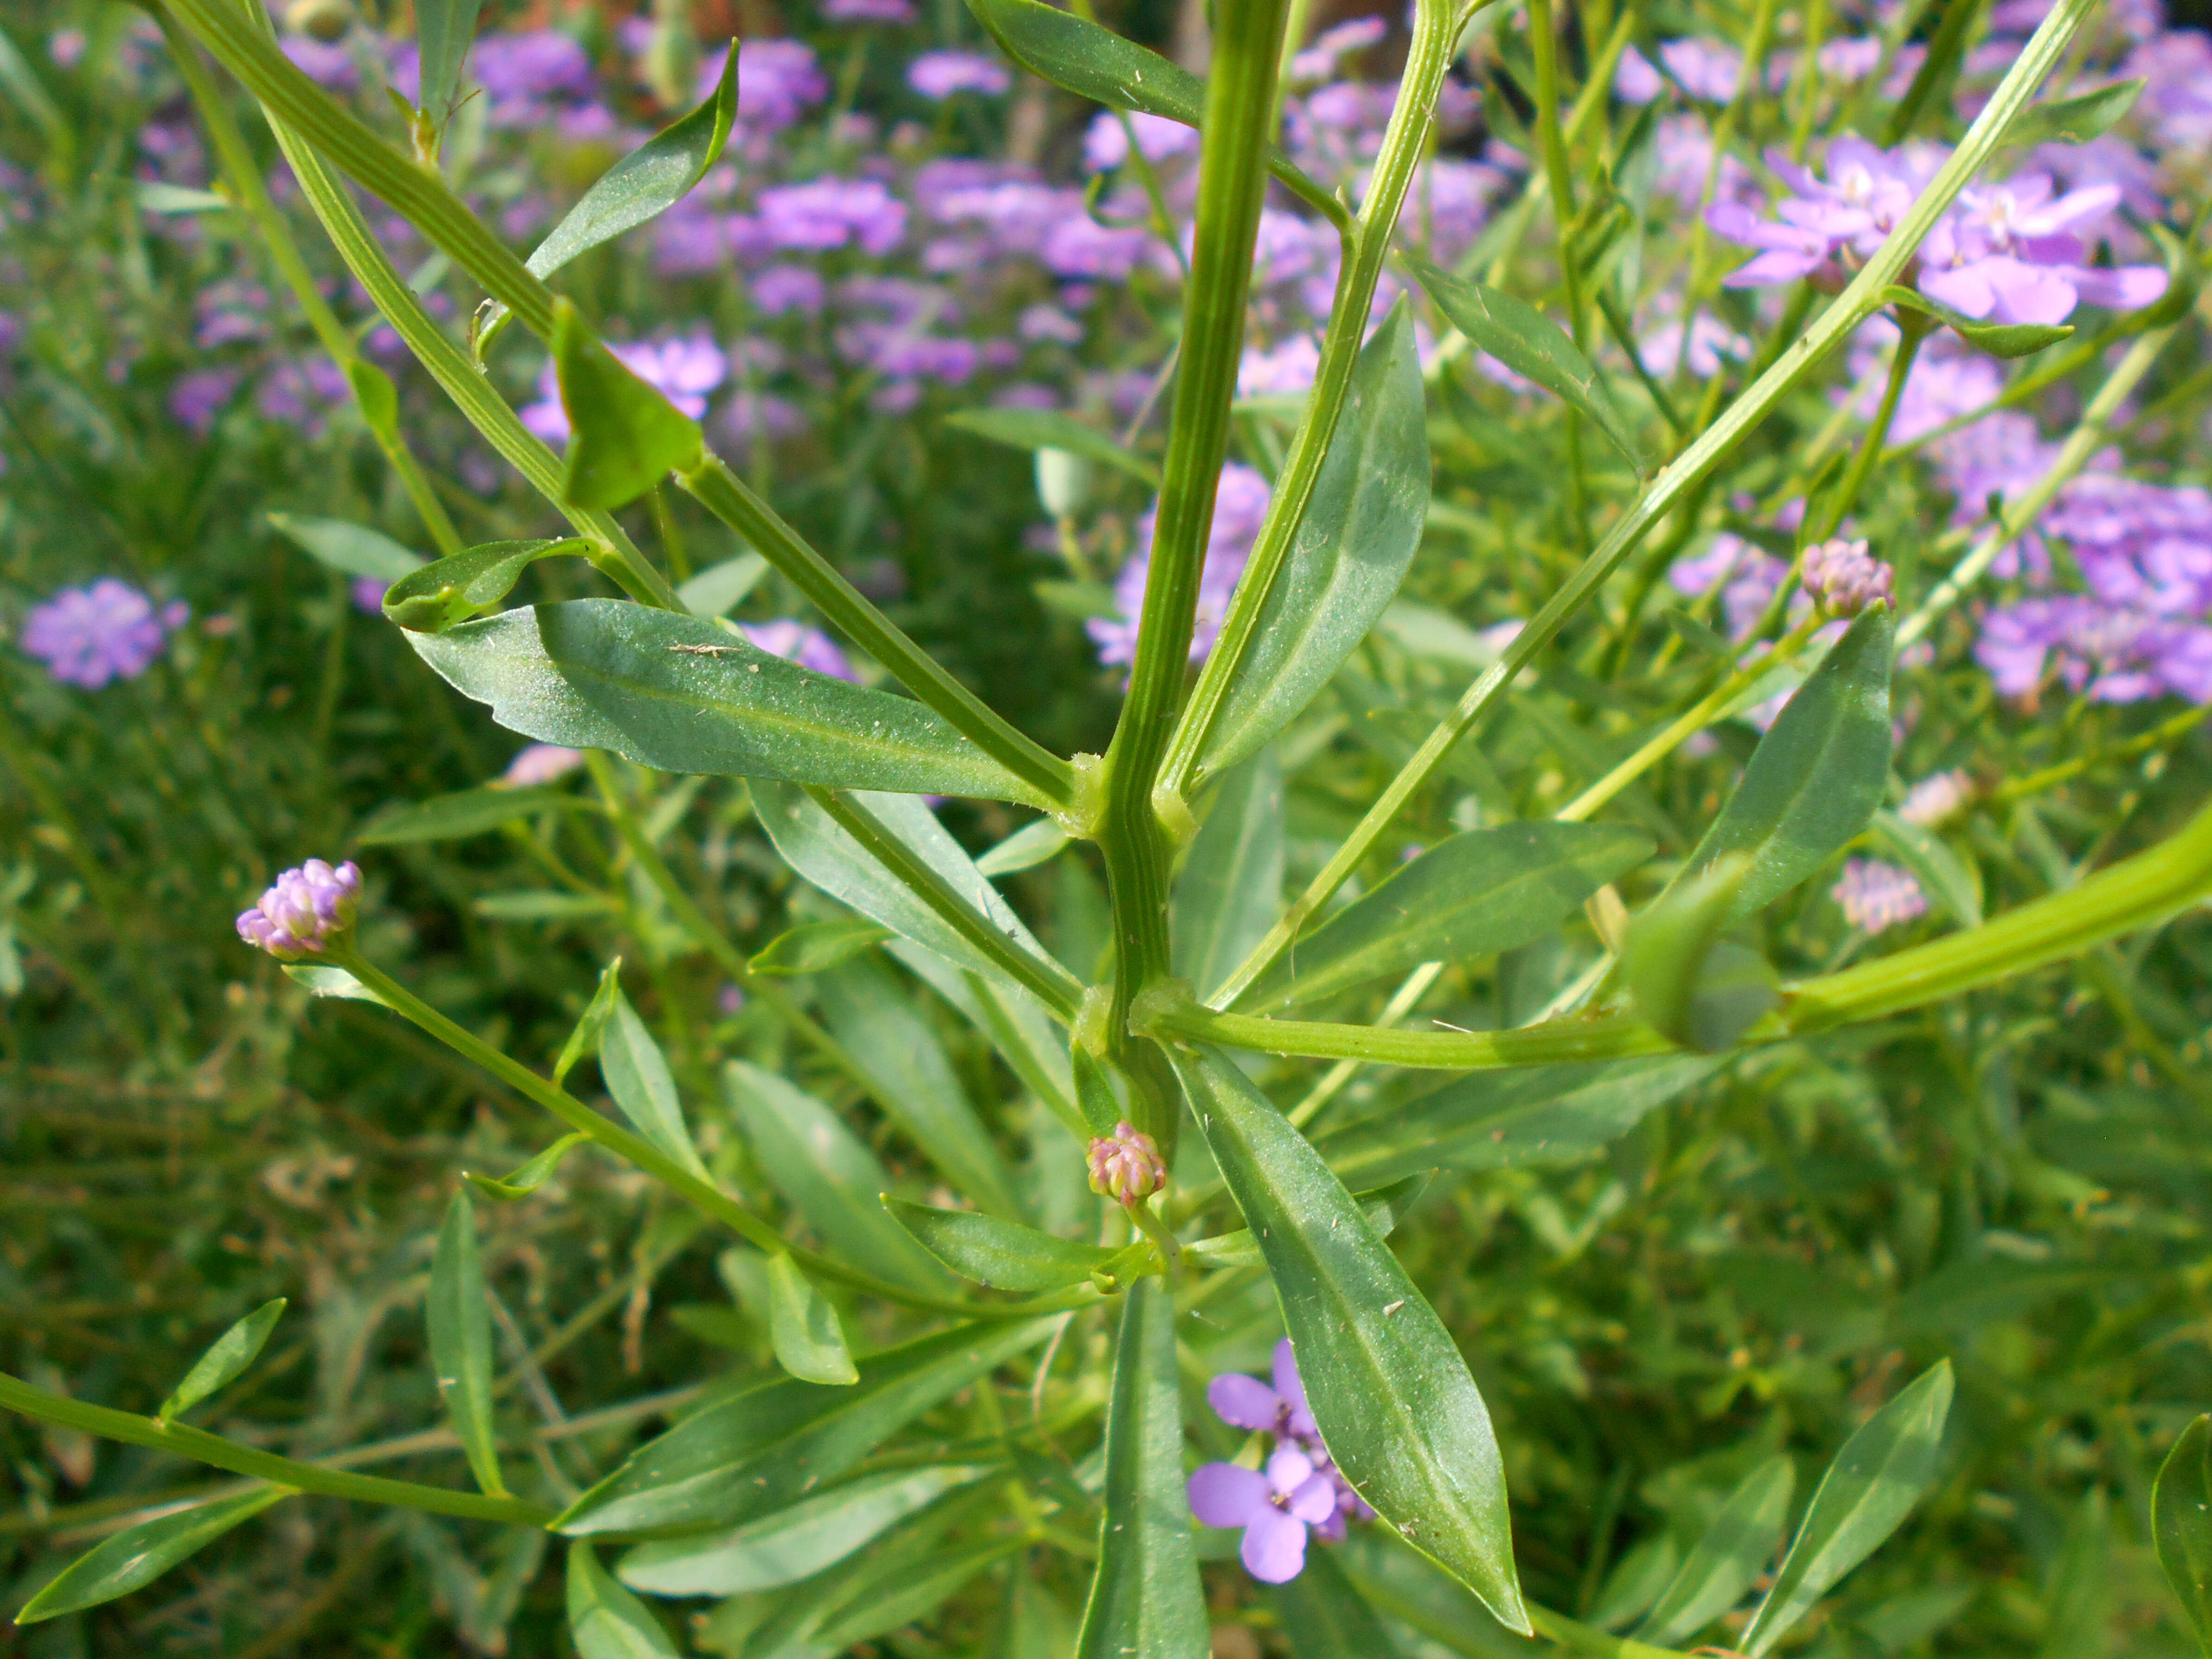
1283	371
2109	654
297	393
868	11
1704	69
809	647
1711	340
1081	246
1936	799
197	398
1634	81
686	372
776	81
939	75
88	636
829	213
1331	46
1877	896
367	593
328	64
1106	142
1239	506
1750	576
1042	322
782	289
525	75
539	763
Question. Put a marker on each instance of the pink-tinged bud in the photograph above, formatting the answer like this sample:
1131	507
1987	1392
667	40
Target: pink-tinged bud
305	910
1843	580
1127	1165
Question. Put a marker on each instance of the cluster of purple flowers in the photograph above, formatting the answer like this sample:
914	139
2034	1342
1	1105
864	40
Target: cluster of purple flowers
88	636
1876	896
1239	506
304	911
1298	1491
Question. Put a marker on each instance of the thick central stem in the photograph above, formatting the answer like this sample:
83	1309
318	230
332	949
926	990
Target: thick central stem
1240	114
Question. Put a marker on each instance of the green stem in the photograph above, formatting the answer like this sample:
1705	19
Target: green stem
1581	1639
730	499
1796	358
2157	738
1544	45
1913	328
212	1448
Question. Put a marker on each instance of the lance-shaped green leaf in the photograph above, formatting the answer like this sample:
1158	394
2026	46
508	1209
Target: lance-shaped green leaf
1229	890
1026	848
1728	1559
814	947
605	1620
1532	346
715	590
1146	1601
1472	894
827	855
434	599
1700	990
1816	776
1097	64
351	550
794	1543
1947	878
638	1077
758	1452
625	436
377	397
225	1358
1034	430
459	1310
682	693
1102	1109
1998	339
809	1341
1005	1255
1882	1471
526	1179
1383	1208
2181	1524
135	1558
1359	534
584	1038
1400	1414
1326	1617
456	816
910	1075
2075	120
1539	1116
444	31
827	1173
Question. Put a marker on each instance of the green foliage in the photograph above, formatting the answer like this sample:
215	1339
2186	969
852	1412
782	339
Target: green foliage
226	1360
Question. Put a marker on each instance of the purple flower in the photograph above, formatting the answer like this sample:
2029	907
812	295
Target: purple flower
809	647
1080	247
525	75
683	371
1042	322
1704	69
1750	579
1331	46
1635	81
2014	253
306	909
1711	340
782	289
1274	1508
1106	142
1284	371
297	393
2109	654
1843	579
868	11
326	63
1877	896
776	81
828	213
1127	1165
1240	504
940	74
197	398
1246	1403
88	636
754	415
539	763
367	593
1936	799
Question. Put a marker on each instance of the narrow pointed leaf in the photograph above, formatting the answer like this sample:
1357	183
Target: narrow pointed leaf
1947	878
604	1619
1003	1254
444	32
1034	430
715	590
1727	1560
2181	1524
1145	1600
1229	890
638	1077
1532	346
459	1312
1400	1412
1382	1207
758	1452
585	1039
1882	1471
2007	340
1472	894
1700	990
351	550
1326	1617
2075	120
1353	546
526	1179
1816	776
456	816
1102	1109
226	1358
438	596
1025	850
134	1558
377	397
814	947
624	435
809	1342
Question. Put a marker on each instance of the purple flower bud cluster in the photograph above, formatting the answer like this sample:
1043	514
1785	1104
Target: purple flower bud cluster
88	636
1239	506
1299	1490
1127	1166
1877	896
1843	579
306	908
1936	799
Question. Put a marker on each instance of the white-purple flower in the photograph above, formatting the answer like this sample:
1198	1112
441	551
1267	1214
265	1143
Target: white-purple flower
1876	896
539	763
1246	1403
304	911
1936	799
939	75
1843	579
88	636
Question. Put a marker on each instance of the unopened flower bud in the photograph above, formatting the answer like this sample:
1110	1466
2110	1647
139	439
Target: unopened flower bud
1127	1165
305	910
1063	481
1843	580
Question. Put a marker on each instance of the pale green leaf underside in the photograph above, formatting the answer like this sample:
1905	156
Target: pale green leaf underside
131	1560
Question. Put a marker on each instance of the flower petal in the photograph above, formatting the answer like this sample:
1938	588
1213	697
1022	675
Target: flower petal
1275	1549
1243	1402
1288	1470
1223	1495
1314	1502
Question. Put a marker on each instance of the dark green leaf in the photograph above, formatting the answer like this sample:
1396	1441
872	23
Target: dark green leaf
585	1039
624	435
604	1619
1396	1405
2181	1524
351	550
1530	344
1005	1255
638	1077
134	1558
828	1174
909	1592
1016	1023
809	1341
1816	776
1229	890
1034	430
531	1176
1542	1115
459	1310
444	31
226	1358
814	946
794	1543
758	1452
2075	120
1703	993
438	596
682	693
1880	1474
1145	1600
1353	548
457	815
1947	878
1325	1617
715	590
1728	1559
1472	894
